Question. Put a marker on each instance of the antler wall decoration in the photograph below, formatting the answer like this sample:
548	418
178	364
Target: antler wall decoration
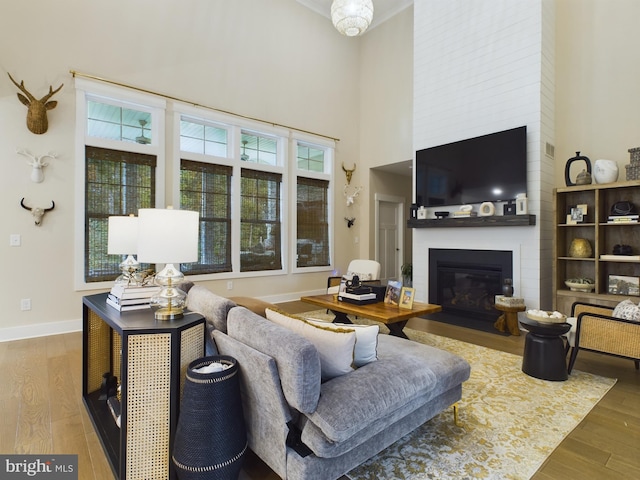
37	212
351	197
37	109
37	164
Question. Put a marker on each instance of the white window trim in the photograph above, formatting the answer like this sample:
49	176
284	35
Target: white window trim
328	174
88	89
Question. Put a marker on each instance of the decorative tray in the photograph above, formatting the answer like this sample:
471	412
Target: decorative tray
543	316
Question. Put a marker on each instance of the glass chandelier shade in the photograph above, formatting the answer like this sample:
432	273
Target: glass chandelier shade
171	237
351	17
122	239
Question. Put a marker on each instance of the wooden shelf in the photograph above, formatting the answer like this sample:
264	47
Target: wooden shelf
493	221
602	236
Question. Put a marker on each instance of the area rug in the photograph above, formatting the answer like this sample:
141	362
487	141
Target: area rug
511	422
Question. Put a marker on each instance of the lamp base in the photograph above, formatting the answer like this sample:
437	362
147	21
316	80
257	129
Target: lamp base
169	313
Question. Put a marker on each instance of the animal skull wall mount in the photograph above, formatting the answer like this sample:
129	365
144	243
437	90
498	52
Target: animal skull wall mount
348	173
37	212
37	108
37	164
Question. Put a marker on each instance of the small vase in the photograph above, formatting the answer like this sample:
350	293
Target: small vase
507	287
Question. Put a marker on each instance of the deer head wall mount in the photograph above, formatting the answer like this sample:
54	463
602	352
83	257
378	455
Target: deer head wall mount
37	108
37	164
37	212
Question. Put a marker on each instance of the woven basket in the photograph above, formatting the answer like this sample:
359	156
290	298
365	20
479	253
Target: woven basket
210	440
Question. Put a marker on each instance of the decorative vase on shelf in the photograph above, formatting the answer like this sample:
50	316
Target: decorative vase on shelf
605	171
583	178
580	248
507	287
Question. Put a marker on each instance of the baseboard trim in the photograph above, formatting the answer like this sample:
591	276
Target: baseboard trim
39	330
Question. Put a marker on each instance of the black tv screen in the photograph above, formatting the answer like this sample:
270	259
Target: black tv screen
489	168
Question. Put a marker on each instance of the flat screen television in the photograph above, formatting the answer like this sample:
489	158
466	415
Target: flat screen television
489	168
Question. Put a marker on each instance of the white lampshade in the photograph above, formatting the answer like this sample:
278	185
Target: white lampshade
122	237
351	17
167	235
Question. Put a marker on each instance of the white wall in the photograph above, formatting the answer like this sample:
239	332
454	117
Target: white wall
274	60
477	70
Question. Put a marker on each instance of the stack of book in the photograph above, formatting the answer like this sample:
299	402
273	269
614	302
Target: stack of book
464	214
623	219
131	297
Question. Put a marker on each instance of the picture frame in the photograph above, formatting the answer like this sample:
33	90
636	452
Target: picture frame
392	295
407	295
577	214
624	285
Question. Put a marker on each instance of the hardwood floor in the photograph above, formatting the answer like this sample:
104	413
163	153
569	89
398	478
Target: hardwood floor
42	410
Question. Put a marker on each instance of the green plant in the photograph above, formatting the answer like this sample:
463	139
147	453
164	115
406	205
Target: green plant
407	270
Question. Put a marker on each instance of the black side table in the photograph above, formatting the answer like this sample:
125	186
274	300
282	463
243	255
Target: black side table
544	352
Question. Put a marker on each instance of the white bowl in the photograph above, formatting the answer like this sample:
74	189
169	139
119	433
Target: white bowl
580	287
549	319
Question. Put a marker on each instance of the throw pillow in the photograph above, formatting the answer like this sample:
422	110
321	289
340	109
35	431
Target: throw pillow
335	347
366	340
361	276
627	310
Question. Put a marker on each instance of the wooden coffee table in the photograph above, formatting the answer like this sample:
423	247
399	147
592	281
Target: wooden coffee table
393	317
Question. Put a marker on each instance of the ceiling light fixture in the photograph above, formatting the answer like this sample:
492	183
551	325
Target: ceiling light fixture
351	17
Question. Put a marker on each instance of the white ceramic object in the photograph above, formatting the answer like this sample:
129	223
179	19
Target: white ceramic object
487	209
605	171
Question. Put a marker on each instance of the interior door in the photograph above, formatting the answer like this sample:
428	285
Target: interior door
389	238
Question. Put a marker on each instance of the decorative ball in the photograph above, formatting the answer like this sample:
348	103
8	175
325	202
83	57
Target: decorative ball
580	248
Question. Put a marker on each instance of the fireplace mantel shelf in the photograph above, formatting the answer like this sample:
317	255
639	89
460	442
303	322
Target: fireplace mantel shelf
493	221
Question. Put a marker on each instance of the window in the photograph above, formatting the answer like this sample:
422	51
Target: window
312	206
312	222
240	174
260	222
118	123
117	183
259	149
206	188
199	137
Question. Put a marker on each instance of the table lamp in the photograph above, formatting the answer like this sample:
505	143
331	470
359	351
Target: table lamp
122	239
171	237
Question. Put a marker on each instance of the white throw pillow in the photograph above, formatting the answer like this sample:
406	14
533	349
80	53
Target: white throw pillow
627	310
335	346
362	276
366	340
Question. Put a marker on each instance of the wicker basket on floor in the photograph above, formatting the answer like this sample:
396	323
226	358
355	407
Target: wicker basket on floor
210	440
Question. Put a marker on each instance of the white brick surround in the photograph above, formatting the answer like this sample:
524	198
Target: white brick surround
481	66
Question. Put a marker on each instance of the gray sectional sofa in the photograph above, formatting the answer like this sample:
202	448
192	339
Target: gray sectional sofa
304	428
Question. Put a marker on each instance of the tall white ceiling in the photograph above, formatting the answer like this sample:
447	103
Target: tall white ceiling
382	9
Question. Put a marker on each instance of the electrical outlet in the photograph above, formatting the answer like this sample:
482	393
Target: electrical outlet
229	285
25	304
15	240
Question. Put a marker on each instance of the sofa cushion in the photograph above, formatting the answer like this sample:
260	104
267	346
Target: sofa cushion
627	310
211	306
366	347
335	346
297	359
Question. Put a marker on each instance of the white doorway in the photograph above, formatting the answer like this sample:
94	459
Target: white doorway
389	235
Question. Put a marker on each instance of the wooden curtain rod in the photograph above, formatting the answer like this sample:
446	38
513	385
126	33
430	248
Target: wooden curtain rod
75	73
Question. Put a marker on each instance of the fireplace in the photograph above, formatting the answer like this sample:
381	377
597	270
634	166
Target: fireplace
465	282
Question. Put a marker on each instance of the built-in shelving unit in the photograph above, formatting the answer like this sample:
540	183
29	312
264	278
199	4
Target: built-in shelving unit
602	236
492	221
